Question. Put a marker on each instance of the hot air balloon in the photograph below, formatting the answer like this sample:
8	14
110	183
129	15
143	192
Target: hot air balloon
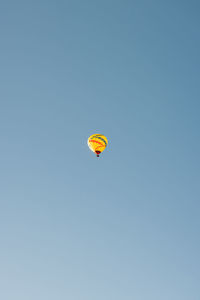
97	143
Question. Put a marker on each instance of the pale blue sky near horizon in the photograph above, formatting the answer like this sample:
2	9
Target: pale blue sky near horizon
126	225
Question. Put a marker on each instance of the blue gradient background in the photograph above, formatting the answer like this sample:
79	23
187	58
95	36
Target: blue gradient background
126	225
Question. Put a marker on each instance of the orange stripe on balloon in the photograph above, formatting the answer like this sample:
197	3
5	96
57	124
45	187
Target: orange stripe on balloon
97	142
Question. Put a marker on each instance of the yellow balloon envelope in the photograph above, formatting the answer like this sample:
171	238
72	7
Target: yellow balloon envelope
97	143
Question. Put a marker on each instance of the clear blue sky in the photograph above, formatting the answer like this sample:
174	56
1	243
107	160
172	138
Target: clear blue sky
126	225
